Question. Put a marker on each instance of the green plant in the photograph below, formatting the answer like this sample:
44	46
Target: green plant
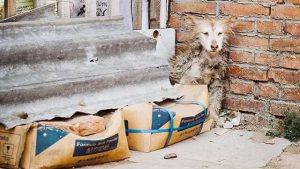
289	127
274	133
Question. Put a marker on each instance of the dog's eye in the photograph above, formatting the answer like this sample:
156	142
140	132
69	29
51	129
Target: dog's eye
205	33
220	33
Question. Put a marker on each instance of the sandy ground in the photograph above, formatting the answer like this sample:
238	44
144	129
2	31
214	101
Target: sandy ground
236	149
289	159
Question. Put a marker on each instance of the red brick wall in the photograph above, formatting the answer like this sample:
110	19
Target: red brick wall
264	68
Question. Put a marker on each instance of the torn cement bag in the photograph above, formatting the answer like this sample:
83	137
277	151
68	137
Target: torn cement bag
12	145
49	147
82	125
150	127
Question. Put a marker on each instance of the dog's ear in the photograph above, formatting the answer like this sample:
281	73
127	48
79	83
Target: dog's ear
189	21
231	21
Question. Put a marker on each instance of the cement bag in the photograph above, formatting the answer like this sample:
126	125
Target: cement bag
151	126
50	147
12	145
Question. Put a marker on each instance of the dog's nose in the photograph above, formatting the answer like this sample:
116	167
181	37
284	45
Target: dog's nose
214	47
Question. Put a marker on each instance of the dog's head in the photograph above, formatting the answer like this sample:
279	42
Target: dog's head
212	33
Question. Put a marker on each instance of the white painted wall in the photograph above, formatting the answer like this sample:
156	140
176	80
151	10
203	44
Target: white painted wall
125	11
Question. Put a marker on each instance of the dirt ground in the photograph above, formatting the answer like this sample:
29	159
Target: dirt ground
288	159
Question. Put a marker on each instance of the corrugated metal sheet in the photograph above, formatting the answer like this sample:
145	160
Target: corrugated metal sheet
56	68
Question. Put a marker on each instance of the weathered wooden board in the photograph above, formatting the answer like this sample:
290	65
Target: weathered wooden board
137	14
1	9
154	14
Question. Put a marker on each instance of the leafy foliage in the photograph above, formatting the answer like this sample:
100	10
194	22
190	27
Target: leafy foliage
289	127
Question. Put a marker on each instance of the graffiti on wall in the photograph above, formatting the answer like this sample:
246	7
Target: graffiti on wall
102	7
78	8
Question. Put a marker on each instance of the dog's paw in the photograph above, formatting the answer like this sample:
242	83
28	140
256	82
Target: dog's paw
218	123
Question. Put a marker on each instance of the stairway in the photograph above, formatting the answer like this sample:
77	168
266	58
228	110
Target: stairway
56	68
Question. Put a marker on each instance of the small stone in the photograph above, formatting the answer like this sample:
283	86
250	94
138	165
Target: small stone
251	128
227	125
22	115
259	137
236	121
271	141
221	132
169	156
194	138
82	103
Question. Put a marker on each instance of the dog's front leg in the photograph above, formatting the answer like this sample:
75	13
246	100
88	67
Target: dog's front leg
215	97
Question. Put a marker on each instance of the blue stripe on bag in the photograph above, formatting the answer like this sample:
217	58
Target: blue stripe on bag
172	129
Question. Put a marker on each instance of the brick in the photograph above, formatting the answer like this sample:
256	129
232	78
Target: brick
247	105
243	26
278	108
269	27
292	28
249	73
267	59
297	2
291	45
250	42
267	90
239	56
236	9
283	11
183	36
284	76
240	87
292	94
175	22
248	117
291	61
195	7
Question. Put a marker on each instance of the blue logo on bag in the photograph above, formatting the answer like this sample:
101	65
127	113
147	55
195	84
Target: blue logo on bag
46	137
160	117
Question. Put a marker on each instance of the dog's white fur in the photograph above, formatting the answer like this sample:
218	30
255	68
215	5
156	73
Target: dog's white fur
203	60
